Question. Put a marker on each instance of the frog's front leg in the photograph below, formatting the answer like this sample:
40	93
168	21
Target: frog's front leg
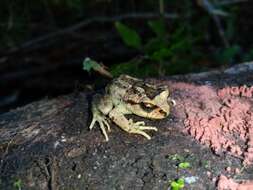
100	108
128	125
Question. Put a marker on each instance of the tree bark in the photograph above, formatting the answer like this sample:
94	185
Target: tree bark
47	145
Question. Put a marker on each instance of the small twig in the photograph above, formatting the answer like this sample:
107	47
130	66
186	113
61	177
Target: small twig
161	7
54	173
210	9
88	22
46	169
221	30
229	2
27	72
5	153
51	171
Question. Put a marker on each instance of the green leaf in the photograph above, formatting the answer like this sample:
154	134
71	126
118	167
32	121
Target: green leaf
180	181
184	165
129	36
17	184
132	67
206	163
177	185
161	54
176	157
248	56
89	64
227	55
158	27
231	52
174	185
155	44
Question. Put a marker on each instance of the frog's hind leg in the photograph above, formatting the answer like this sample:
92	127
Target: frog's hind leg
129	126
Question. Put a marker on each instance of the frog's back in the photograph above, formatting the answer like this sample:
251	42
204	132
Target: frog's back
119	87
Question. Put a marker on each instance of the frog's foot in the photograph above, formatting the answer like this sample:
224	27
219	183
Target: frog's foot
138	128
102	121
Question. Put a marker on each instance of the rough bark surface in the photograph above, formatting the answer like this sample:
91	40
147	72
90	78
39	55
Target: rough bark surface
47	145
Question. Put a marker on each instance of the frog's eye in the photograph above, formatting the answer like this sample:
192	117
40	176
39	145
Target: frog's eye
147	107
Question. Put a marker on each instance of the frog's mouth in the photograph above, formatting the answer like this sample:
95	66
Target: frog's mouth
154	110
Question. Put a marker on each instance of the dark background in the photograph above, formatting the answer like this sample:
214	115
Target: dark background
44	42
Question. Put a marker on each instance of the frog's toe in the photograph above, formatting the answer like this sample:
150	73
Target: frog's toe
140	123
92	124
102	127
141	126
102	121
140	132
107	124
147	128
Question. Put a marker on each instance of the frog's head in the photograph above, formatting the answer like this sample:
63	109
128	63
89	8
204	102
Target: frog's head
158	106
153	102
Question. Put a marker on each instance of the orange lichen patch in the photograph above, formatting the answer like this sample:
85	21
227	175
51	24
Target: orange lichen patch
249	153
243	91
223	121
225	183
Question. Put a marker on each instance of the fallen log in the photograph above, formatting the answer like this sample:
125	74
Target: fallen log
47	145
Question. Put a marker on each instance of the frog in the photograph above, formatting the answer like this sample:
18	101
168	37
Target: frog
128	95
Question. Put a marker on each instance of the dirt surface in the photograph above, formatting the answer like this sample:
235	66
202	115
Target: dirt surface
47	145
